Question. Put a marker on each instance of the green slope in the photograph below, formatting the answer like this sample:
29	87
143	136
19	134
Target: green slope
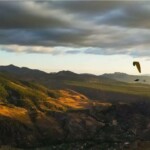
123	77
126	88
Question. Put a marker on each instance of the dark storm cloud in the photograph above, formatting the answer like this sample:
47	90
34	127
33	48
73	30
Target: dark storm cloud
44	37
120	13
137	16
98	27
17	14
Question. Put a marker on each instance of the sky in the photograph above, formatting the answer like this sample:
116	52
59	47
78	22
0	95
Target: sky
82	36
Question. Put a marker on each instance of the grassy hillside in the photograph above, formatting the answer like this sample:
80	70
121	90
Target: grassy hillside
35	96
70	111
32	115
125	88
123	77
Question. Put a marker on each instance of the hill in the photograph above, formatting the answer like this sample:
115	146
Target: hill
66	110
27	112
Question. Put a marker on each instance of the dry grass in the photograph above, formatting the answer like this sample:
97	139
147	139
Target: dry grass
17	85
73	100
16	113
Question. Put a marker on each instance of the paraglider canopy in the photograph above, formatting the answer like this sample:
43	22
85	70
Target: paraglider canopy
137	64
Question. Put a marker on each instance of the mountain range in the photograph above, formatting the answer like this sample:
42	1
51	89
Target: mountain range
35	73
66	110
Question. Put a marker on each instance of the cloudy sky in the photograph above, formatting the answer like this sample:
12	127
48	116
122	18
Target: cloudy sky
81	36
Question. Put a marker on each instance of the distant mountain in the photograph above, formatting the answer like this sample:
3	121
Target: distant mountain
56	80
23	71
46	78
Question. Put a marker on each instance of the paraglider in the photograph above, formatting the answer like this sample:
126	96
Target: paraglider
137	64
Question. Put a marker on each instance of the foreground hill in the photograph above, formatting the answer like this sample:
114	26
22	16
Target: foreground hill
32	115
71	111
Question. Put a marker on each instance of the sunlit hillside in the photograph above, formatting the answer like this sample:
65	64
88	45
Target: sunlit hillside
65	110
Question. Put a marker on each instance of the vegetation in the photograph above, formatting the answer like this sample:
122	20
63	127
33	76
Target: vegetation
127	88
96	113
